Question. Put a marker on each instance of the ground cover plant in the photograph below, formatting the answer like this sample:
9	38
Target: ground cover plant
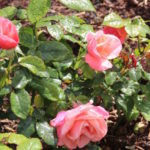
61	80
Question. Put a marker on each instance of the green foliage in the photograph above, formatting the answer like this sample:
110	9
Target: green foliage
45	132
37	9
80	5
54	51
34	64
20	103
8	12
55	31
21	141
114	20
135	27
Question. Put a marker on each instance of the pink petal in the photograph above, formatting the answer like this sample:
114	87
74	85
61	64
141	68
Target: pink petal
99	34
59	119
8	34
70	144
7	43
100	128
76	130
102	111
99	64
82	141
109	46
92	48
90	36
71	116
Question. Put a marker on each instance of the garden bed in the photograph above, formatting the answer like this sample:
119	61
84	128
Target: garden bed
121	134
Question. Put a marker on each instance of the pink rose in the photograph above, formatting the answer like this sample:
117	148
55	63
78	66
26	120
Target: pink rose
119	32
80	125
101	48
8	34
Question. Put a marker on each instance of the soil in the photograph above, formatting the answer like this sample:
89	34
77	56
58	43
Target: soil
121	135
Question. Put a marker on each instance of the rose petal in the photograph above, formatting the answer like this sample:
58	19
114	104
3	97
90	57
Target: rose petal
8	34
109	46
59	119
119	32
99	64
82	141
89	36
100	127
102	111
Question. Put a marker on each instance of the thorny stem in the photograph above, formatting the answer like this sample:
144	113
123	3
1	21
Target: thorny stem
139	45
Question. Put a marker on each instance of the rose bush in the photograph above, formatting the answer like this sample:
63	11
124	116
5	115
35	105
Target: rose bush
60	60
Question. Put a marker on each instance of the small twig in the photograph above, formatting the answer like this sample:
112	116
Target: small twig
145	2
139	147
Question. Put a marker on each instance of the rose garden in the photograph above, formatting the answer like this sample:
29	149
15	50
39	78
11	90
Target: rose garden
67	85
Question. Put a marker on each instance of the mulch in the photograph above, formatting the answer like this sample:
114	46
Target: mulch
121	135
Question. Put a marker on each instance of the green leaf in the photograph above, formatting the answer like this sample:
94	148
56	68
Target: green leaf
12	138
93	147
70	22
37	9
16	139
130	88
54	51
34	64
8	12
47	20
132	114
110	78
5	90
52	73
79	5
46	132
22	14
38	101
65	64
145	75
4	147
145	89
137	28
48	89
3	77
114	20
55	31
143	106
19	51
21	79
87	71
135	74
30	144
73	40
42	23
26	127
82	30
127	105
27	38
20	103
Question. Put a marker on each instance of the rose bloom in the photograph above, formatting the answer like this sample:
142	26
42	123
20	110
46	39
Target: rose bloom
8	34
119	32
101	48
80	125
